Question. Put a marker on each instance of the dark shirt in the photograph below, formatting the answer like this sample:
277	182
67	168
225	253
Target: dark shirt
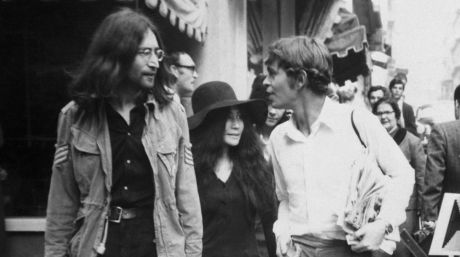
228	220
132	175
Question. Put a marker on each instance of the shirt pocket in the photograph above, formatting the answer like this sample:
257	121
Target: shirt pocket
86	158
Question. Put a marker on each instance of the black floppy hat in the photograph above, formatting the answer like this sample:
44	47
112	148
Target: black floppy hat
216	95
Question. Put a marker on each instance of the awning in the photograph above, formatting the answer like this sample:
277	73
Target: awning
189	16
369	16
353	39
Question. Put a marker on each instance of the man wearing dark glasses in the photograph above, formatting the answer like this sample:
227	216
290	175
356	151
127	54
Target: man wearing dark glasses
183	74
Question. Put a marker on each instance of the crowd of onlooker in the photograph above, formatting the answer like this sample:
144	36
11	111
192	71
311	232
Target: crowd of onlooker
147	164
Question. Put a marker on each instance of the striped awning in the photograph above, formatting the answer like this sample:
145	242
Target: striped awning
189	16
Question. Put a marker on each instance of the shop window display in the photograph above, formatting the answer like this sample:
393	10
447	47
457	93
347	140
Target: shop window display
42	43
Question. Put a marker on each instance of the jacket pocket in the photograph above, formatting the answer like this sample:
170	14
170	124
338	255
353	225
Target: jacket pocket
86	158
83	142
168	163
167	170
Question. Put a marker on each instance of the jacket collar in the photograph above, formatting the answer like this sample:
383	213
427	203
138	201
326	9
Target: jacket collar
152	106
399	135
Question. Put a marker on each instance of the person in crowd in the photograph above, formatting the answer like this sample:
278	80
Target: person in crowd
274	116
407	119
376	93
234	180
442	173
123	181
457	102
388	113
183	74
313	152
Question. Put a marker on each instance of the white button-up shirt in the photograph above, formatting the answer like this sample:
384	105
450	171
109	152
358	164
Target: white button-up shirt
312	172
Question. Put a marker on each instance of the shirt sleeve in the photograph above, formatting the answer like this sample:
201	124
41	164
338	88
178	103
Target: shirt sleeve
394	164
281	225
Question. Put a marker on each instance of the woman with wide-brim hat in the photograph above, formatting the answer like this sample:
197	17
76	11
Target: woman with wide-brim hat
234	180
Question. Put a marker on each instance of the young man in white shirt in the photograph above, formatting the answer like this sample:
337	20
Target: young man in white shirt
312	155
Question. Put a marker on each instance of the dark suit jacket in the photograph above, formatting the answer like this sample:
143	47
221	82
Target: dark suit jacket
442	173
409	118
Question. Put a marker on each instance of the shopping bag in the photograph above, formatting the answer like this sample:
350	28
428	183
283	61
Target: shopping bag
366	190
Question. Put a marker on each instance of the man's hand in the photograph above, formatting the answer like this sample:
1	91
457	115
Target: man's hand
282	244
369	237
61	155
426	230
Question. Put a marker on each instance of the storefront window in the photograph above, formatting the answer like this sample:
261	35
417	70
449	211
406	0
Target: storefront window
42	43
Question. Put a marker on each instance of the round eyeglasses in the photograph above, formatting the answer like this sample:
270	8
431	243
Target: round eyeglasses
147	53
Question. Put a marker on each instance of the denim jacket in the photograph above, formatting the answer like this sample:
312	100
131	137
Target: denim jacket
79	196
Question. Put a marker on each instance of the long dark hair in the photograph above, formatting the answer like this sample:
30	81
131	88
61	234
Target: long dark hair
108	60
251	169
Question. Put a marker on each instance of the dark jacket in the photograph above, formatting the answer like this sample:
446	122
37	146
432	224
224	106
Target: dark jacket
409	118
79	196
442	174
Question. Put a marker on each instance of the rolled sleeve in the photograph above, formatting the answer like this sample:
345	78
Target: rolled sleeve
395	165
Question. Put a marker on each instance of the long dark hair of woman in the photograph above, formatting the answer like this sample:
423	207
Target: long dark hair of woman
251	169
108	60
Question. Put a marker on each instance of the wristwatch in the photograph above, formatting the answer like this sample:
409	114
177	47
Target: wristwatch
388	226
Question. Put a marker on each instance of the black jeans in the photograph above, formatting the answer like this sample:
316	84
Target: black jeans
131	238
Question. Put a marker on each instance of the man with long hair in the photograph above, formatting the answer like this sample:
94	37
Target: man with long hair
123	182
313	156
